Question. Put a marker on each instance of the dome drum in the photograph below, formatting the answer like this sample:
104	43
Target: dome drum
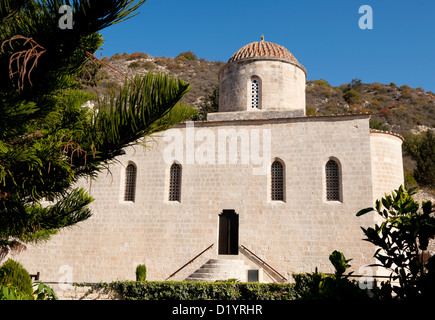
262	76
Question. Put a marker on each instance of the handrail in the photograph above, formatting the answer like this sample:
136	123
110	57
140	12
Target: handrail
190	261
264	262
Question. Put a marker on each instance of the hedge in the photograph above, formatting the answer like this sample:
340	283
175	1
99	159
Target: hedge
195	290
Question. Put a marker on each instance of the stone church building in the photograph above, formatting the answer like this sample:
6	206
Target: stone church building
257	192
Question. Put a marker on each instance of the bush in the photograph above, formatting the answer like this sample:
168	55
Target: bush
137	55
148	65
307	285
402	238
322	82
377	125
421	147
188	55
352	97
410	181
141	273
186	290
319	286
116	56
9	292
13	274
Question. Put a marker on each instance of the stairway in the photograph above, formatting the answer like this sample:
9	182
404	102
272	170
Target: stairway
220	269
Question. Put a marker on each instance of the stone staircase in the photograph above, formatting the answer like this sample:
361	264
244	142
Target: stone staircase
220	269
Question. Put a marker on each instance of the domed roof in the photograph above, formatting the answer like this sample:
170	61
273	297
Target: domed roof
263	49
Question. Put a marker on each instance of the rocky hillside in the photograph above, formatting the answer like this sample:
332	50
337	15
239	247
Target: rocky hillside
397	109
200	73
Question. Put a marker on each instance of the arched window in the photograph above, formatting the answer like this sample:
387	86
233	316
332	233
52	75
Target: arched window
332	181
255	94
130	183
175	183
277	179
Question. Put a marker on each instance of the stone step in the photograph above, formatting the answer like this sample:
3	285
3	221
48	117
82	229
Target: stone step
220	269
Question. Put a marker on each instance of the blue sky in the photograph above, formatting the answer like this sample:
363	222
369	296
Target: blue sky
323	35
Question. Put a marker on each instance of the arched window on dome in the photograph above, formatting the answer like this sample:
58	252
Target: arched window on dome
175	183
333	182
277	181
130	183
255	93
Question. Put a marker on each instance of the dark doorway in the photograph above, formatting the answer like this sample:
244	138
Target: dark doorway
228	232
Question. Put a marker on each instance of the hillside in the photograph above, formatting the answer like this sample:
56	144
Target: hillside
396	109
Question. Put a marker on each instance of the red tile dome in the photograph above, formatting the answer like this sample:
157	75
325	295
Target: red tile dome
263	49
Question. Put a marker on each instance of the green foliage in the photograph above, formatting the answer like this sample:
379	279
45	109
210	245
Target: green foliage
402	238
308	285
322	82
8	292
421	147
141	272
311	111
340	264
44	292
352	97
410	181
142	65
210	104
188	55
49	139
377	125
13	274
319	286
185	290
356	84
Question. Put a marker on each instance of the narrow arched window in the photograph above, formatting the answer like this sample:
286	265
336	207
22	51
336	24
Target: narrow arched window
130	183
175	183
277	179
255	94
332	181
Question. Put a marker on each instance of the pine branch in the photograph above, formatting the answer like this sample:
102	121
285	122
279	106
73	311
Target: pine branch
148	105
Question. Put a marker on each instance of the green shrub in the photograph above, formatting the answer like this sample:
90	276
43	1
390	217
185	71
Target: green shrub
352	97
410	181
307	285
141	273
311	111
402	238
421	147
13	274
8	292
319	286
375	124
322	82
44	292
186	290
188	55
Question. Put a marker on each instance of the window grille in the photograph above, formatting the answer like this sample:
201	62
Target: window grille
277	174
332	181
255	94
175	183
130	183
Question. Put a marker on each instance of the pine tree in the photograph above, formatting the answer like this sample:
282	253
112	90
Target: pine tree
48	138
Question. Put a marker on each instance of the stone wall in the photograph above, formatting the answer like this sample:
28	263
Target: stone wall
387	163
282	86
292	236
